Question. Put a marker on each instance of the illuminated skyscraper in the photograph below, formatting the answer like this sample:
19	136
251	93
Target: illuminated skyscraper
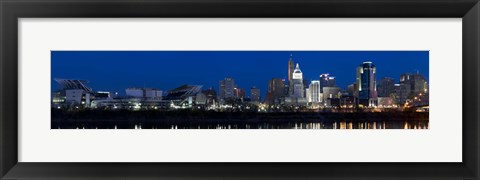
326	81
297	83
290	74
276	91
366	80
227	87
314	92
308	95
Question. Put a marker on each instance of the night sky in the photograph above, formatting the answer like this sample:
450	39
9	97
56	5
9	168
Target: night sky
117	70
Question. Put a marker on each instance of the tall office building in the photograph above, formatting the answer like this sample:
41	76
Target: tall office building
326	81
255	94
418	83
366	80
297	83
308	95
239	93
221	90
276	91
351	89
286	89
314	92
290	74
306	85
227	88
385	87
401	93
331	93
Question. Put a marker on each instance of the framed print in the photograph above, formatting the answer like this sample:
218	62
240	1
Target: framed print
248	90
292	102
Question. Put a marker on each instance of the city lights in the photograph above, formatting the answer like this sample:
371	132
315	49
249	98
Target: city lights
292	94
301	97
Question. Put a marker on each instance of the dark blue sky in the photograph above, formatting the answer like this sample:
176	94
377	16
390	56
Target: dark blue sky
116	70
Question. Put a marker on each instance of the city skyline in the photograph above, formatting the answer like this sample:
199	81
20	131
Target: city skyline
115	71
293	90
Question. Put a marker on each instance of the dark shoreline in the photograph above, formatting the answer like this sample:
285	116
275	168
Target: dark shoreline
125	119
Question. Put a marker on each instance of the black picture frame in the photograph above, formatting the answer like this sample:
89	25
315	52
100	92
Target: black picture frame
11	10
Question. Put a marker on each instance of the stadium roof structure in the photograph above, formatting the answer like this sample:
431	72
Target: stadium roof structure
67	84
184	91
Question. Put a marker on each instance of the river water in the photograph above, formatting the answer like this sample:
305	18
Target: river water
396	124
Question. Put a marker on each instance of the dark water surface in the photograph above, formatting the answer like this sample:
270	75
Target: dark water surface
417	124
235	120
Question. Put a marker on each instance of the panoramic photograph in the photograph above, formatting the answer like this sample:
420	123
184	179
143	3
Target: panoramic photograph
240	90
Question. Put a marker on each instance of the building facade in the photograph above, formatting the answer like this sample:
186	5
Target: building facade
239	93
401	93
418	83
291	66
327	81
255	94
314	92
386	87
276	91
331	93
211	96
144	93
297	83
366	80
227	88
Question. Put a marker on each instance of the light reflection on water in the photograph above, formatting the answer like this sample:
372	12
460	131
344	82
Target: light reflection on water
419	124
317	125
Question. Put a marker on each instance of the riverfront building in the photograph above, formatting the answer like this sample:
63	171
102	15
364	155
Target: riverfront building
417	83
326	81
276	91
255	94
401	93
211	97
297	82
351	89
146	93
330	95
290	75
367	88
298	95
73	93
239	93
314	92
227	88
385	87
